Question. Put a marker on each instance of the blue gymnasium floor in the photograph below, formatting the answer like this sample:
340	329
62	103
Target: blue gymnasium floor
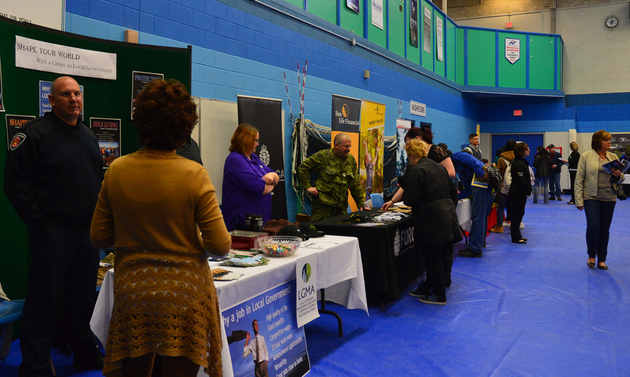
521	310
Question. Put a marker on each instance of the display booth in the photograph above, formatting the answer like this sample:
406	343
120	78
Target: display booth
23	93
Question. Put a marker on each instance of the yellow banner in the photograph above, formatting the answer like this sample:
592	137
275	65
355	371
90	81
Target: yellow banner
372	115
371	147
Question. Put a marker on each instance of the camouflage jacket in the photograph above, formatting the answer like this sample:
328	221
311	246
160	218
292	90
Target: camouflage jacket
334	177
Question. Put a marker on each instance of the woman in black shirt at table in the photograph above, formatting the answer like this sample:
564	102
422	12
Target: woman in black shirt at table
426	190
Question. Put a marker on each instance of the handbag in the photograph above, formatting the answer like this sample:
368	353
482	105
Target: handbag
621	194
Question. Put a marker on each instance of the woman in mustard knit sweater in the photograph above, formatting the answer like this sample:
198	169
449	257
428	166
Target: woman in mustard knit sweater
160	212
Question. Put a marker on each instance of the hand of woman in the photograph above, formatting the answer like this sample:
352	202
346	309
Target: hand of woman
616	173
271	178
387	205
580	208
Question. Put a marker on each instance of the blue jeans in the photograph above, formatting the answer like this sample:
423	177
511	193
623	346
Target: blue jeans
554	185
599	215
481	206
545	189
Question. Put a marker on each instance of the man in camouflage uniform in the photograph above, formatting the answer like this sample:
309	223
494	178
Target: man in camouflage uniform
336	173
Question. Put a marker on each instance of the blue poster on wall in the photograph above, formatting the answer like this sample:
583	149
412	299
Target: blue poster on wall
353	4
263	335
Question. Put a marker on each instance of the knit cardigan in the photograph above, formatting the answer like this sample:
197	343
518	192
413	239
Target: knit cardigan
151	208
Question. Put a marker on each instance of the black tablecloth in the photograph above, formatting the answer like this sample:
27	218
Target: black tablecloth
390	260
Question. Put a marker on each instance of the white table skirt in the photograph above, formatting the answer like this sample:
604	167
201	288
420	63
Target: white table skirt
339	271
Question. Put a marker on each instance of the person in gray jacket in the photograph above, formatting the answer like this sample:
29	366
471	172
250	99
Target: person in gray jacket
595	194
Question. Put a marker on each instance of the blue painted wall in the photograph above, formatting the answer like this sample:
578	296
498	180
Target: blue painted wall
241	47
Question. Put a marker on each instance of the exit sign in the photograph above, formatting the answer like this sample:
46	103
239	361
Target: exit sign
518	113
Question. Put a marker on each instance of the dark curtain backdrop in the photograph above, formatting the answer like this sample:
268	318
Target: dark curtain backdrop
266	115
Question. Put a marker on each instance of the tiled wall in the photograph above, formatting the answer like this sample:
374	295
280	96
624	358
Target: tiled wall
242	48
594	112
246	51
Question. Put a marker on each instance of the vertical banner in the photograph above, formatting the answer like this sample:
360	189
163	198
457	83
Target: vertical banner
427	29
413	22
107	133
353	5
439	39
306	292
512	49
402	126
266	115
138	81
262	334
14	124
346	118
371	149
377	13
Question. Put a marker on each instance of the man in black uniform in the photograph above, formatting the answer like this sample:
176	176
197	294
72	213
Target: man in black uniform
52	177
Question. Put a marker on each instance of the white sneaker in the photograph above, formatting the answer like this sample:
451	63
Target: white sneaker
522	226
505	223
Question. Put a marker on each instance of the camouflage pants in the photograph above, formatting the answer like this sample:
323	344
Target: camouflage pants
322	211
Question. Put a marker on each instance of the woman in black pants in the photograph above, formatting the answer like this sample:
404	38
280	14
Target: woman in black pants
574	158
426	190
520	189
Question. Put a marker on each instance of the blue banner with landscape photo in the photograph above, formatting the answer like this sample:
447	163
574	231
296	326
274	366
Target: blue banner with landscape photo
263	335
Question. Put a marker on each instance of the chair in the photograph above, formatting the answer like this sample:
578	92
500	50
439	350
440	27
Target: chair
377	200
10	311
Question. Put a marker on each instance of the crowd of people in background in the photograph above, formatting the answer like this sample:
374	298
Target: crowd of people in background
506	183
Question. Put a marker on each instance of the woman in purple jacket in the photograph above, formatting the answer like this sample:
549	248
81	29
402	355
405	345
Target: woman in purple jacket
247	181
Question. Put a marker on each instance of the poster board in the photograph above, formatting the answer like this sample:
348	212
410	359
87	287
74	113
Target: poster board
103	99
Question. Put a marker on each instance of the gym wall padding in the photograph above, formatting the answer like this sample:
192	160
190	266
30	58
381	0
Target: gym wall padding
396	26
481	58
102	98
541	62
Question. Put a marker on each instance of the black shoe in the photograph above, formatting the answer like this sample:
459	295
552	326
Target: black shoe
420	291
559	198
469	253
551	198
433	300
90	363
521	241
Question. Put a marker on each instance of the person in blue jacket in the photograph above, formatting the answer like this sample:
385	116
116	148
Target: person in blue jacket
247	181
467	166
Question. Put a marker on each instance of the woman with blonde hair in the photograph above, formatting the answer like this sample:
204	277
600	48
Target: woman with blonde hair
247	181
595	194
426	190
160	213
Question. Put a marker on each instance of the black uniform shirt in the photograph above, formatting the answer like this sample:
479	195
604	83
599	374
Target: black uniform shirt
53	171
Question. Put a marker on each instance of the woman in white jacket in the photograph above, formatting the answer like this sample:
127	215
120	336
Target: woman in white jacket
594	193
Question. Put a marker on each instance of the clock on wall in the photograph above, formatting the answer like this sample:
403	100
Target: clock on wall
611	22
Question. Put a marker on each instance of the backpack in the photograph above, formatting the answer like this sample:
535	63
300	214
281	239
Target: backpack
507	177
